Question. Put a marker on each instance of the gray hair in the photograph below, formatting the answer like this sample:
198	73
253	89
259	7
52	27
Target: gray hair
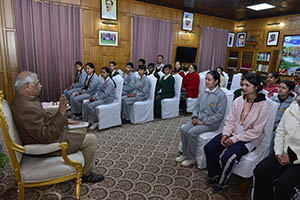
26	77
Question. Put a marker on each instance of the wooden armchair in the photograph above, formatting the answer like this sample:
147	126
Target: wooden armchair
37	170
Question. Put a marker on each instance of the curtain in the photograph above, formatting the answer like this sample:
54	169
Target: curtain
150	38
49	43
213	48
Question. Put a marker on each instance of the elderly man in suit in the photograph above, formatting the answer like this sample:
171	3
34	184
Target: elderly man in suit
36	126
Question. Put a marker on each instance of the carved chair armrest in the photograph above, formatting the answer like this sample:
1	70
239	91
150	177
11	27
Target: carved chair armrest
40	149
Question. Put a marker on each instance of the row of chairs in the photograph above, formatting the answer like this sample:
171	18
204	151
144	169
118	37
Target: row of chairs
109	115
248	162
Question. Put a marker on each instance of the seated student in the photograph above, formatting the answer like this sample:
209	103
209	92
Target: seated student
141	93
112	67
178	69
78	81
105	95
220	70
151	70
242	133
165	89
141	61
190	86
36	126
208	113
285	97
278	174
129	80
90	87
272	81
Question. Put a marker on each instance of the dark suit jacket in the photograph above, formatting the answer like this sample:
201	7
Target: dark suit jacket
36	126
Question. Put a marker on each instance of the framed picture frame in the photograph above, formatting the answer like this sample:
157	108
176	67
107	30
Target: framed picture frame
230	39
108	38
272	38
109	9
241	39
187	21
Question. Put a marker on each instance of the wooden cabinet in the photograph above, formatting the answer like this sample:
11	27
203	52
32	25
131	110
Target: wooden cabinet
267	61
261	61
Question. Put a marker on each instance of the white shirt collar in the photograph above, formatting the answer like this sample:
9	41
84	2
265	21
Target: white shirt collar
208	90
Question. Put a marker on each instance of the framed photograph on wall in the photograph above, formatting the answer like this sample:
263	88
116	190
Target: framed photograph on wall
187	22
108	38
109	9
230	39
272	38
241	39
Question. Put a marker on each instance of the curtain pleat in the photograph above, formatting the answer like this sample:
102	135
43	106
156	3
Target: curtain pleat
49	43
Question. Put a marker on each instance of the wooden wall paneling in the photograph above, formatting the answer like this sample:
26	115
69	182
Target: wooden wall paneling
76	2
124	6
8	13
92	3
11	50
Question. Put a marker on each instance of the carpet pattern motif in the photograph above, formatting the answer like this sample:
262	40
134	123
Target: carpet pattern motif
138	162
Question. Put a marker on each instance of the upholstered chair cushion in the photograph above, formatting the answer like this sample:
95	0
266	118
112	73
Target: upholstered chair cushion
39	149
37	169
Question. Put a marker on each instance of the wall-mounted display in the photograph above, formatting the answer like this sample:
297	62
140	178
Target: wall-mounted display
241	39
109	9
290	55
108	38
272	38
187	23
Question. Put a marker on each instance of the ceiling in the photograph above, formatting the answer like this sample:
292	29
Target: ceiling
232	9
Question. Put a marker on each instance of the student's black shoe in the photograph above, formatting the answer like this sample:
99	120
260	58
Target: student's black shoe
124	121
92	178
212	180
218	187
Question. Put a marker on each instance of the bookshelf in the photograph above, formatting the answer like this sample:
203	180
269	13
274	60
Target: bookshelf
247	60
232	60
266	61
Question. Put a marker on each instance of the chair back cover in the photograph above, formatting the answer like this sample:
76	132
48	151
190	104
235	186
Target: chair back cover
9	130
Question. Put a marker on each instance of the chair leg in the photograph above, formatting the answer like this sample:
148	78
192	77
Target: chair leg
21	191
244	186
78	182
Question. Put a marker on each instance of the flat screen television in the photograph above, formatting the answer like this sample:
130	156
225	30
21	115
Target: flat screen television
186	54
290	55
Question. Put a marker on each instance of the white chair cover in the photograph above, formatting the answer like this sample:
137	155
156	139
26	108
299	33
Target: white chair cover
265	92
235	83
248	162
170	106
109	115
202	85
204	138
142	111
226	79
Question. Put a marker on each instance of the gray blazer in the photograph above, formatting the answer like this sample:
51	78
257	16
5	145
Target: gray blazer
107	91
80	80
211	107
92	85
129	84
142	88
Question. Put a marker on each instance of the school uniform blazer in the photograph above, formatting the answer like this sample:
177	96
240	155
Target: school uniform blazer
79	79
36	126
282	107
142	88
254	124
210	107
93	85
287	137
129	83
167	87
107	91
191	83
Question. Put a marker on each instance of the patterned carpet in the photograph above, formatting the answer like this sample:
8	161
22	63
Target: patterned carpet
139	163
